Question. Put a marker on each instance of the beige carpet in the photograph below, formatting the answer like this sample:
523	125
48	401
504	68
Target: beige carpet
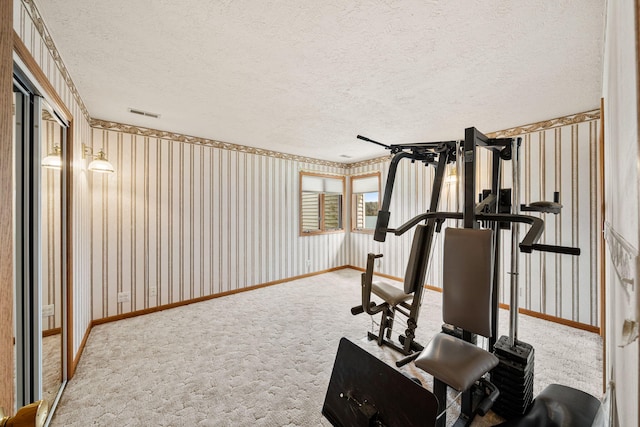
51	367
264	358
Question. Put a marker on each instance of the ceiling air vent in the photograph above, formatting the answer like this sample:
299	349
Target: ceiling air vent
144	113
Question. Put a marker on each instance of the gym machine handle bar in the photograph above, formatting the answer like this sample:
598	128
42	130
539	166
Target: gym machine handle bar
367	278
527	245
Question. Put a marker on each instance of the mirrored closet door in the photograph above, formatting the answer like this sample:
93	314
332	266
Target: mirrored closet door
52	132
40	246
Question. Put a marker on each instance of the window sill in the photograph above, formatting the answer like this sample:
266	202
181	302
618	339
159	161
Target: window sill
315	233
362	231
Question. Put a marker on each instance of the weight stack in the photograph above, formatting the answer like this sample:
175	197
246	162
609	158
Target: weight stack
514	377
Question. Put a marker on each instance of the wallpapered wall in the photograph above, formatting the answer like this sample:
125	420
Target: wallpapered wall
192	220
51	249
564	158
30	28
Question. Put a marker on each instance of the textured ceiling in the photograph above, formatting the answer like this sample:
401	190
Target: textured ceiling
305	77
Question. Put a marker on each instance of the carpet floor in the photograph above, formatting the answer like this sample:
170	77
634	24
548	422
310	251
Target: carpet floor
264	358
51	367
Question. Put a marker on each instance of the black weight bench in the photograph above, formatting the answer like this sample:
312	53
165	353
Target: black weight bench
405	300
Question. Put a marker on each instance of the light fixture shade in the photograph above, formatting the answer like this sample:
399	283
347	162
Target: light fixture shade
101	164
53	159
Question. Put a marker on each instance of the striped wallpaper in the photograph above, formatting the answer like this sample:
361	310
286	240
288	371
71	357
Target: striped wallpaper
33	33
193	220
564	159
51	249
183	220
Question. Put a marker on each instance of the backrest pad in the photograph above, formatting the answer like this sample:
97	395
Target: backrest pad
468	279
417	264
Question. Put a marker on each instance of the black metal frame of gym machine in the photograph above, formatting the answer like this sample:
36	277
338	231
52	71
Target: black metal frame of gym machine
438	154
445	152
472	213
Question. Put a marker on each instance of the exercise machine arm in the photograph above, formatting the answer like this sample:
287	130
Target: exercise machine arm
528	244
382	221
366	282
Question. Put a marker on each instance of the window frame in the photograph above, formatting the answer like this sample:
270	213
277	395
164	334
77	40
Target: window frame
354	215
341	210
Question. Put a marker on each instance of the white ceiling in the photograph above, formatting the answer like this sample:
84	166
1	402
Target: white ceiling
305	77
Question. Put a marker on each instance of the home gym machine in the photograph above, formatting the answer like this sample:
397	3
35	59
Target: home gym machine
515	369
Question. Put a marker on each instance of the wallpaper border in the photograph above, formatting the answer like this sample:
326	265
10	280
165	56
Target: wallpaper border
161	134
571	119
586	116
51	46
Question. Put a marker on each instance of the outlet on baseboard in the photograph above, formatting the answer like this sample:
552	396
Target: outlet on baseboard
48	310
153	291
124	296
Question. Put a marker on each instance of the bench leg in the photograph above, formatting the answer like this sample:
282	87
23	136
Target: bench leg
440	391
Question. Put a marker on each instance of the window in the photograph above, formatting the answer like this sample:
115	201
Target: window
365	201
321	203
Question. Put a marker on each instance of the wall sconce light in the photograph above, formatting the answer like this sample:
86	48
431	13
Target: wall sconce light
99	162
53	159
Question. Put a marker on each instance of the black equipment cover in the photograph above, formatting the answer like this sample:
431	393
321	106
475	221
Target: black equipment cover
365	391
